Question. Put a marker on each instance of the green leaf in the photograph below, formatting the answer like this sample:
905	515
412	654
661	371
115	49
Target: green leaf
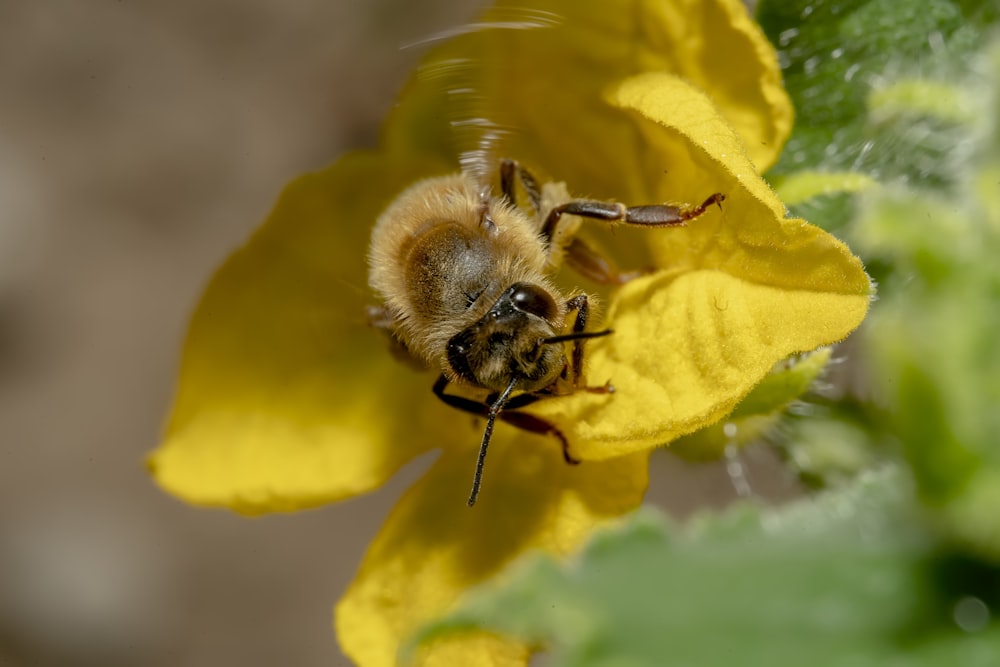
833	52
840	580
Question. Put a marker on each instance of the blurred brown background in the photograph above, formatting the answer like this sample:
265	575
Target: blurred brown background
140	141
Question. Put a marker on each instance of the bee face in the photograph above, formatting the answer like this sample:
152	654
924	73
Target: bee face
510	341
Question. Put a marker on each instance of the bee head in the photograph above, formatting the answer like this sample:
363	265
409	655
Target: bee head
511	341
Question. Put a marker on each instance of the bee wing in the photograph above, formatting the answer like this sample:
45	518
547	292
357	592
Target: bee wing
476	131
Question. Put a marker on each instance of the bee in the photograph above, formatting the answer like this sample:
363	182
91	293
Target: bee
464	278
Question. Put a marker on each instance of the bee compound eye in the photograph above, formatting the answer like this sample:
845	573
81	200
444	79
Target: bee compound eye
534	300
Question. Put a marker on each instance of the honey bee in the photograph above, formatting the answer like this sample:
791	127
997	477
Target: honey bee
463	274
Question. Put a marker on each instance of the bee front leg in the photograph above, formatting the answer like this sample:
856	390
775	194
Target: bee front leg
581	305
458	402
522	420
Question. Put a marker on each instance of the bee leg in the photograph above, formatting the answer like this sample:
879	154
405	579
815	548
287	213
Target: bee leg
522	400
509	169
459	402
581	305
533	424
656	215
475	407
521	420
481	409
590	263
491	411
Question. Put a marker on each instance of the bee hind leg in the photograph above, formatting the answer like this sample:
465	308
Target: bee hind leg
655	215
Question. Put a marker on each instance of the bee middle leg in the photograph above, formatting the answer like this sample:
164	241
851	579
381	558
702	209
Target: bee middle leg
592	264
511	170
522	420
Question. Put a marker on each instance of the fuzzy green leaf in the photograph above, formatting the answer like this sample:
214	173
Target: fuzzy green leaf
831	53
841	580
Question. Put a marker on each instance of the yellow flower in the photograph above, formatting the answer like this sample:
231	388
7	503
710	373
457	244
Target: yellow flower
287	400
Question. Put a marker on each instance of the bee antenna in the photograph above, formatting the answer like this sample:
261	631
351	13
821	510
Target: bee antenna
491	418
578	335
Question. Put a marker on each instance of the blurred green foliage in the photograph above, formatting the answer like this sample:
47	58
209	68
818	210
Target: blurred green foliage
933	341
834	53
843	579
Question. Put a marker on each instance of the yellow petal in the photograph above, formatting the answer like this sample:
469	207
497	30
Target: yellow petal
749	237
741	289
433	547
544	84
284	391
